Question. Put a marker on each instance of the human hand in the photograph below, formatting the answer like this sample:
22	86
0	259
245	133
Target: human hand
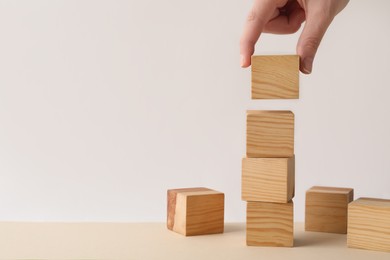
286	17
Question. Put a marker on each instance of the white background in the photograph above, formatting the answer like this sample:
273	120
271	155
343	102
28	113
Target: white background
104	105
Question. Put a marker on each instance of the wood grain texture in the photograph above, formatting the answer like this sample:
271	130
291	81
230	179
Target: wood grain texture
171	205
268	179
275	77
270	224
327	209
195	211
270	134
369	224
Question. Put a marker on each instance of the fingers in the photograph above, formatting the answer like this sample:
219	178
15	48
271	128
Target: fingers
261	12
310	39
286	24
266	16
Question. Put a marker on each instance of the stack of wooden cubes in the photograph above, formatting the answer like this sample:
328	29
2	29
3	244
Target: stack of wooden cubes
268	170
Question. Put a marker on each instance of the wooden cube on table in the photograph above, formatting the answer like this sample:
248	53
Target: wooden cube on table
270	224
326	209
268	179
369	224
275	77
195	211
270	134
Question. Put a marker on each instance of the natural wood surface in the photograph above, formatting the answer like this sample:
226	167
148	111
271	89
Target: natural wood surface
270	224
195	211
269	134
369	224
268	179
275	77
326	209
171	205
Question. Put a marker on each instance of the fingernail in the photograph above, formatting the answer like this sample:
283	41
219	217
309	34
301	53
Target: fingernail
307	65
242	61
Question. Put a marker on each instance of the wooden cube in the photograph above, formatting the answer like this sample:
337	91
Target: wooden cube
268	179
270	134
369	224
275	77
195	211
326	209
270	224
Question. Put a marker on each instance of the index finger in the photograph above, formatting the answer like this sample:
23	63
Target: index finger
262	11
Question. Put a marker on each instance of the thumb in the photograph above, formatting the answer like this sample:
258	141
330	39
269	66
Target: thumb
309	41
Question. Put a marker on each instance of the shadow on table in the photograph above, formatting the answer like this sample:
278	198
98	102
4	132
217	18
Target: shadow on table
319	238
230	228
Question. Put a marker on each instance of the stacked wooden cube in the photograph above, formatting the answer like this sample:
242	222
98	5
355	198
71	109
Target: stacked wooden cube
268	170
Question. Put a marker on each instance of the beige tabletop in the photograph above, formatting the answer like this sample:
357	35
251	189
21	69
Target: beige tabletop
154	241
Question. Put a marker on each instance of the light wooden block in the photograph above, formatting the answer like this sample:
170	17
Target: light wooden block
268	179
195	211
270	224
327	208
269	134
369	224
275	77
